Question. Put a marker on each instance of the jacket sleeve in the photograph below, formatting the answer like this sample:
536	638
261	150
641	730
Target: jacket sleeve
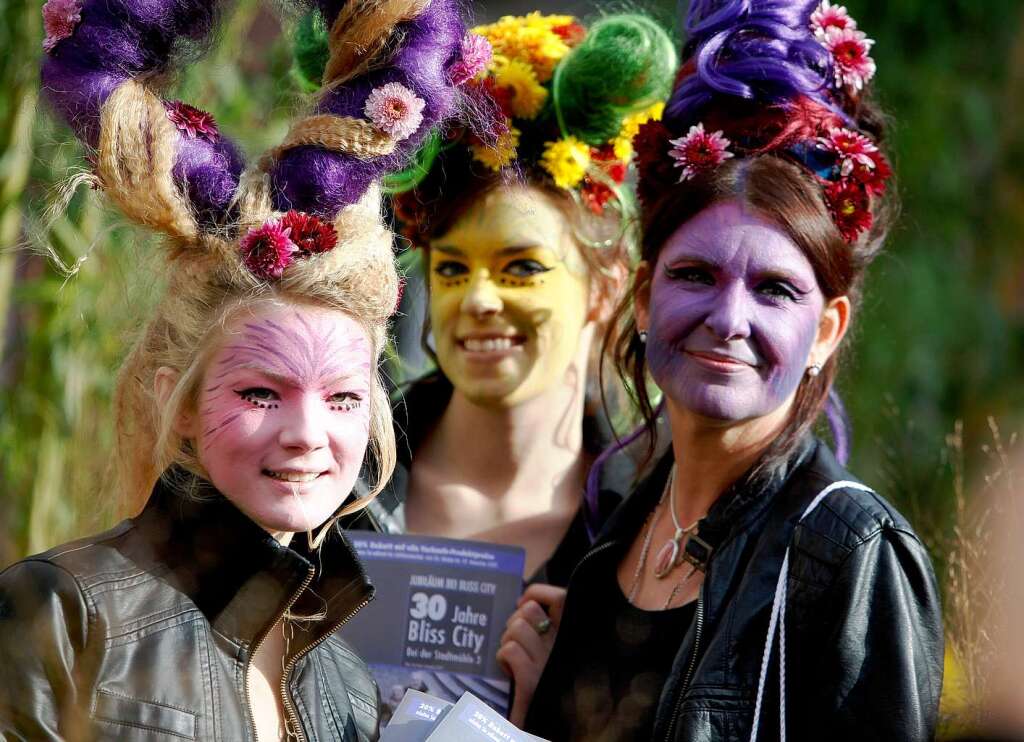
879	671
43	629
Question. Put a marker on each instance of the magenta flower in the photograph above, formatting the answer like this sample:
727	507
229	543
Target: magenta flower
60	17
829	16
699	152
309	234
849	49
190	120
267	250
852	150
477	53
395	110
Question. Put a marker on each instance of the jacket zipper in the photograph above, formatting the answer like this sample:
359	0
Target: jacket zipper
293	717
259	643
698	632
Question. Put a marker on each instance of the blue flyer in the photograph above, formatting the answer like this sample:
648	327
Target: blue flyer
439	612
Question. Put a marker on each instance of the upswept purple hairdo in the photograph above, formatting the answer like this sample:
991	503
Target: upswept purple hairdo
759	50
117	40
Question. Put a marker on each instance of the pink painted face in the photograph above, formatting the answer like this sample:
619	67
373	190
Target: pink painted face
733	315
284	414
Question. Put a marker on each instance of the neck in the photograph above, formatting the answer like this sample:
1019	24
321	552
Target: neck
710	456
524	447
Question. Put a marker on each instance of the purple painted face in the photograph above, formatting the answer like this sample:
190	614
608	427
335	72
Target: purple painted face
284	414
733	314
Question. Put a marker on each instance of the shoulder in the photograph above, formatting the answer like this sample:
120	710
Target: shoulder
848	518
82	560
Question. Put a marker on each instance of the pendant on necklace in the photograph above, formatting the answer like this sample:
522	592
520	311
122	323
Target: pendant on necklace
670	555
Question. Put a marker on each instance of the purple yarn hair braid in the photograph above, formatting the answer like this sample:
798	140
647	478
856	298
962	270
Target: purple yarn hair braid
759	50
117	40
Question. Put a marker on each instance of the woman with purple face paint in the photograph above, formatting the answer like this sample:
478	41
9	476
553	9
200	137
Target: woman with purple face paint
750	588
249	405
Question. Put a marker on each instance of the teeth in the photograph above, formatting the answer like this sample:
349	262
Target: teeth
293	476
487	344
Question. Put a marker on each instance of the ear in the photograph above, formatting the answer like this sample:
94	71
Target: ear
166	379
642	296
835	320
604	299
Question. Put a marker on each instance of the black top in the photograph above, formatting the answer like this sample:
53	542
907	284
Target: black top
417	407
863	626
616	690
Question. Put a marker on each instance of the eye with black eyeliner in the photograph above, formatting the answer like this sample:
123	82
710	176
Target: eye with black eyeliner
691	274
780	290
450	269
259	396
345	401
525	268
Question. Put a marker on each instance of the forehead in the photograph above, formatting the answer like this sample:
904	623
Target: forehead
738	240
503	218
296	341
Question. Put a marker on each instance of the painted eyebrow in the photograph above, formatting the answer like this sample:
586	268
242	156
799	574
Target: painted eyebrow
511	250
287	380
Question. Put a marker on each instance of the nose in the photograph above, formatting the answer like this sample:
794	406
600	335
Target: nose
482	297
729	318
304	425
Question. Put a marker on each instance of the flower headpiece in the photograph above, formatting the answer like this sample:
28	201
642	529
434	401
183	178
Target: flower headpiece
800	104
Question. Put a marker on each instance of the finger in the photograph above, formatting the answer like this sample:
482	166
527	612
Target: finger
515	658
550	597
530	610
523	633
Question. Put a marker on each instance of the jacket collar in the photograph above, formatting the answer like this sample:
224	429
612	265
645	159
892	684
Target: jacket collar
236	573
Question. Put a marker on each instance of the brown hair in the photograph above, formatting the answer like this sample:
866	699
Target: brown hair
788	195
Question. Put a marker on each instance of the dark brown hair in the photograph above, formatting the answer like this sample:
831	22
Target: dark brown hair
786	194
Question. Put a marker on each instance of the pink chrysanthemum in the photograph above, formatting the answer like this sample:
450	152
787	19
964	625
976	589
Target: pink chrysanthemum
849	49
851	149
192	121
60	17
395	109
477	53
699	151
268	250
309	234
829	16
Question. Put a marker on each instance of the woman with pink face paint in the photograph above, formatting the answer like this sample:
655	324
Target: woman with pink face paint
750	588
248	406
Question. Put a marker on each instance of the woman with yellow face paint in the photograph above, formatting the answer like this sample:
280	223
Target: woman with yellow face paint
521	224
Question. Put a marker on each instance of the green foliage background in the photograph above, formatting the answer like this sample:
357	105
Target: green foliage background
939	338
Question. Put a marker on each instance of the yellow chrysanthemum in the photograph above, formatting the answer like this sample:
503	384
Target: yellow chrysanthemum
529	39
566	160
501	154
623	143
528	96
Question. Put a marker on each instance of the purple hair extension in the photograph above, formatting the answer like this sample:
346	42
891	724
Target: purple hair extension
760	50
839	424
321	182
117	40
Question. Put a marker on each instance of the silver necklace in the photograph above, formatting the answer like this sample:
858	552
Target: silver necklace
673	546
671	553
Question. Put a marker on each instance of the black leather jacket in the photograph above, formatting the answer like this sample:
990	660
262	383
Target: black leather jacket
864	645
145	632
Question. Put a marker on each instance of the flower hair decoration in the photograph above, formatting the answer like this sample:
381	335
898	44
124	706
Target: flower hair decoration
812	70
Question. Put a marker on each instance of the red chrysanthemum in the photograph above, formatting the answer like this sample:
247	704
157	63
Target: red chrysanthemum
873	178
699	152
850	206
595	195
192	121
308	233
267	250
850	148
850	51
571	33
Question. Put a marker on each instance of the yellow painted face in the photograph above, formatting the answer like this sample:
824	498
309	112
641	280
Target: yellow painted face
509	297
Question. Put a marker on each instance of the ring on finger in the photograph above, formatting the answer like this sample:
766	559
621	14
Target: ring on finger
542	627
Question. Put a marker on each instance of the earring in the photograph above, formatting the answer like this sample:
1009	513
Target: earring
642	334
814	370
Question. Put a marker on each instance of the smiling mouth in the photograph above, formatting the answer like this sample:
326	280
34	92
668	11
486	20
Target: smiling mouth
295	477
718	359
490	344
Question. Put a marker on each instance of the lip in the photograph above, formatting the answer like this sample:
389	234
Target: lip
489	346
291	486
718	361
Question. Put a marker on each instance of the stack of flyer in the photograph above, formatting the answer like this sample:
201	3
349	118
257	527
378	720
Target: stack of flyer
424	718
437	617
